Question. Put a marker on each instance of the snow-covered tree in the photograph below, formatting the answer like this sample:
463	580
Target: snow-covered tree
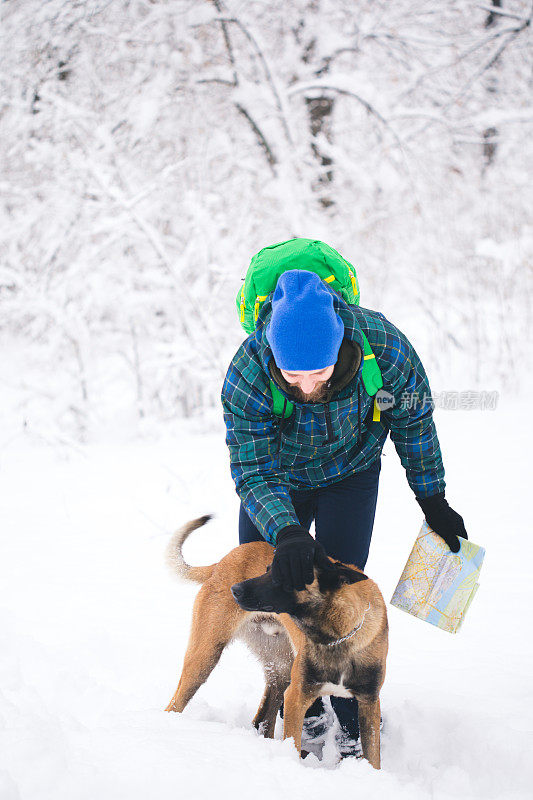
150	148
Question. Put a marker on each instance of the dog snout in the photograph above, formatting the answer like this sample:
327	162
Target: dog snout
237	591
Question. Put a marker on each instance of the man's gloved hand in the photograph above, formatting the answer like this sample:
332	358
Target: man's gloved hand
446	522
296	552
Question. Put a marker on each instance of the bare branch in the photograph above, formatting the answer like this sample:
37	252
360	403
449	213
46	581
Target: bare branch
490	62
227	41
267	71
328	60
484	42
300	88
222	81
260	137
499	11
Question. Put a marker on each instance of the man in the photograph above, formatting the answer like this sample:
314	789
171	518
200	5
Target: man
323	462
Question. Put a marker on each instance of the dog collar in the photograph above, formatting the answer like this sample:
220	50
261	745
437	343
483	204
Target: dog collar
348	635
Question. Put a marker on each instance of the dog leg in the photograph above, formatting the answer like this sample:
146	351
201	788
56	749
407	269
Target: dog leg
297	700
265	719
211	631
197	667
369	717
296	704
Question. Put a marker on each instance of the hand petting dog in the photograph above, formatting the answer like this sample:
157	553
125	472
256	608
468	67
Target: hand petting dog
294	557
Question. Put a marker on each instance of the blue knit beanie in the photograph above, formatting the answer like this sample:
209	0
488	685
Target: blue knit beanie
305	332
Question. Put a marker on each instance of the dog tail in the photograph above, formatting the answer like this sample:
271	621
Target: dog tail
174	555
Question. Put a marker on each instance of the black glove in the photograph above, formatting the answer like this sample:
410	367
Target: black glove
296	552
442	519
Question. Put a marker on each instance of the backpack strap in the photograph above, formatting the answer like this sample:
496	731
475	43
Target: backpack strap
280	402
371	374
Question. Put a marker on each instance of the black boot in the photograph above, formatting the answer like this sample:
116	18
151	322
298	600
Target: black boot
348	739
317	721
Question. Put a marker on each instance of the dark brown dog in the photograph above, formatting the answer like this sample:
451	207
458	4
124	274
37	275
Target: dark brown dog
330	638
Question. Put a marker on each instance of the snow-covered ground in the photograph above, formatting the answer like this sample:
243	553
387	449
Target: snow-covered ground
94	629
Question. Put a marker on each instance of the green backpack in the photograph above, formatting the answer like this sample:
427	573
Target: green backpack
315	256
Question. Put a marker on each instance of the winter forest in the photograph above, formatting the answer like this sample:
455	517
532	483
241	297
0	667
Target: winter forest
151	148
148	149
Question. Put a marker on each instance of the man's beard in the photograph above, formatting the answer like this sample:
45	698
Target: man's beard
318	393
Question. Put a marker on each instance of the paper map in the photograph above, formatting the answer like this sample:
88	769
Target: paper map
436	584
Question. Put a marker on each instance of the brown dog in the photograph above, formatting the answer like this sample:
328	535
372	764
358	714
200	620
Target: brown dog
330	638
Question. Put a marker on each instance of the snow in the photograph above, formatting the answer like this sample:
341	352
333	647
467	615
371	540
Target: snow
137	187
94	629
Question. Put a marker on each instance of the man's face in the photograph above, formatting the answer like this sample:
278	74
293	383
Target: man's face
308	386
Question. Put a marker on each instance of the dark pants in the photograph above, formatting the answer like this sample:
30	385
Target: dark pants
344	518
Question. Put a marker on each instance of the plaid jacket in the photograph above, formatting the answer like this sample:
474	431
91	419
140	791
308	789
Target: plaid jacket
266	462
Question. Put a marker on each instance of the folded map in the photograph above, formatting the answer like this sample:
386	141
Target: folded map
436	584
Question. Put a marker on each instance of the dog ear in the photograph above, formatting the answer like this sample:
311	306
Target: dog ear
337	576
353	576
